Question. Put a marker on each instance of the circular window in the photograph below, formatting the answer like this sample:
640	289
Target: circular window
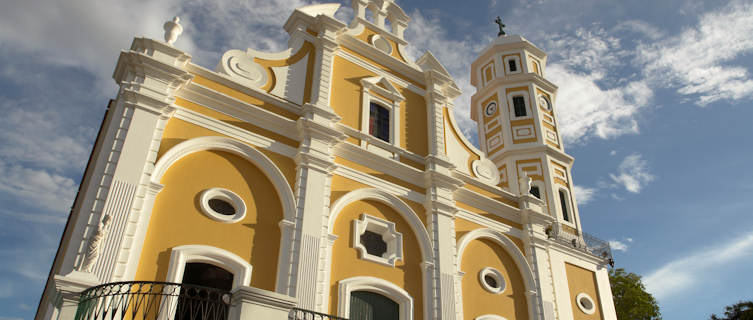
585	303
492	280
222	205
544	103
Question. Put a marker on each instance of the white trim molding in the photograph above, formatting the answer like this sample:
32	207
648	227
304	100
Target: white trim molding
376	285
585	303
224	259
224	195
490	317
390	236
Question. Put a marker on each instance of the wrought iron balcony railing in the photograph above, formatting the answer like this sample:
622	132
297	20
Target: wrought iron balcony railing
581	241
145	300
301	314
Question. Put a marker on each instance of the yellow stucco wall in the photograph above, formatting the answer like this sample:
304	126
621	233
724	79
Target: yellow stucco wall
477	301
178	131
178	220
346	101
346	262
582	280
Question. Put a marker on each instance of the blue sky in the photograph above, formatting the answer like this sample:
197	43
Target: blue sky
654	104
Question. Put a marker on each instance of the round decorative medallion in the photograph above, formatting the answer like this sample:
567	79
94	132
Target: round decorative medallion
545	103
491	108
486	171
381	43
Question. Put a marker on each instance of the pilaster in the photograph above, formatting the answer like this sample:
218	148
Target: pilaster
149	74
535	222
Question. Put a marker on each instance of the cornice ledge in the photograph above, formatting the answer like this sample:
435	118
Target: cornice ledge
316	162
138	99
140	64
308	128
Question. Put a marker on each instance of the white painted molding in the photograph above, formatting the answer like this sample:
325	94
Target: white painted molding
424	242
390	236
376	285
227	260
236	147
225	195
490	317
486	171
496	275
585	303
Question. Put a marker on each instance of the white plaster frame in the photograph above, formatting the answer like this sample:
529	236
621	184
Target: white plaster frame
511	106
376	285
520	261
517	64
227	260
390	236
568	204
583	296
222	194
496	275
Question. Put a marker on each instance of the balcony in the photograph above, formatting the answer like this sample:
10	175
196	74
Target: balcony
152	300
146	300
581	241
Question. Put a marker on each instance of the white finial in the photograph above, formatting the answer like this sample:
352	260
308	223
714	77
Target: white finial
172	30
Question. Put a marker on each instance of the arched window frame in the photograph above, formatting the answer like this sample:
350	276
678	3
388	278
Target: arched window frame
227	260
376	285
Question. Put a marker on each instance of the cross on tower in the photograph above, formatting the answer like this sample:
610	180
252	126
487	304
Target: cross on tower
501	25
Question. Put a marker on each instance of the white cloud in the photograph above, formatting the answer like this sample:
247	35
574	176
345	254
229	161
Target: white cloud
584	195
633	173
590	103
612	153
37	188
618	245
686	272
700	60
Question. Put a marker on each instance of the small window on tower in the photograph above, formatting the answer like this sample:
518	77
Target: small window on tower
563	204
535	192
519	104
379	122
513	66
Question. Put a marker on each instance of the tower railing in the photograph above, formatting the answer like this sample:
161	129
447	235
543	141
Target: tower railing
147	300
581	241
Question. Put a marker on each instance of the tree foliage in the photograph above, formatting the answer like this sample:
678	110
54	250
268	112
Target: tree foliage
631	301
742	310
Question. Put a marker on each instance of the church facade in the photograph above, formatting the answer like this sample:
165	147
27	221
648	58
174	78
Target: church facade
329	180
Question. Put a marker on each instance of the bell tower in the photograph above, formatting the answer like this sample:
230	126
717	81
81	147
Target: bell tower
514	109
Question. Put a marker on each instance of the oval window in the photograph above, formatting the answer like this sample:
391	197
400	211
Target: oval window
222	205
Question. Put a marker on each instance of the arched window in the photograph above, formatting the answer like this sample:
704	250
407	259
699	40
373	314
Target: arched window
379	122
207	275
564	205
535	191
366	305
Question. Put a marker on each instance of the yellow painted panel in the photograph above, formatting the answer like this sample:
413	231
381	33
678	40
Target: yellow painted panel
491	195
346	263
342	185
384	68
379	174
243	97
305	49
503	173
582	280
510	303
488	215
413	123
178	131
178	220
560	181
463	226
513	89
234	121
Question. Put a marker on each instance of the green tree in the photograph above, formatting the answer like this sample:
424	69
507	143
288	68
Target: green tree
631	301
742	310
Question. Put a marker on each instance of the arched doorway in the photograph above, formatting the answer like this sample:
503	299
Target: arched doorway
204	292
367	305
